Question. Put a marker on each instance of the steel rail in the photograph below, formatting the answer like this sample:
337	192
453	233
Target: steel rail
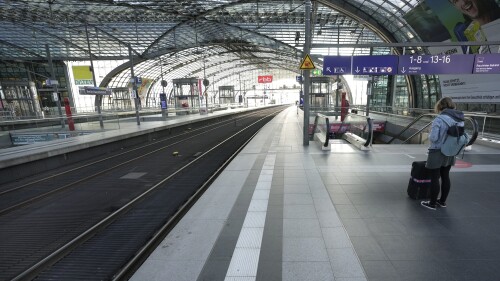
60	253
126	272
120	154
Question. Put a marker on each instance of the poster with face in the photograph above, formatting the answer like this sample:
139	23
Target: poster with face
466	20
463	20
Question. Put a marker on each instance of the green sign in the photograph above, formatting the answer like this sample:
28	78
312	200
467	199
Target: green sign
316	72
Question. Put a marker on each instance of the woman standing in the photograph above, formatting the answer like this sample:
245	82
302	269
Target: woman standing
438	164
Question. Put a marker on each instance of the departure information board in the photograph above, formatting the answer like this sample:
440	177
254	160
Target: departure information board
375	65
337	65
435	64
412	64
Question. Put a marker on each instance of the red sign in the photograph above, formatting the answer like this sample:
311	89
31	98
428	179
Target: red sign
379	126
265	79
462	164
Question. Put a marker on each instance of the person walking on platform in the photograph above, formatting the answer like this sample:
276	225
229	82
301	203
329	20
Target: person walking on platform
438	164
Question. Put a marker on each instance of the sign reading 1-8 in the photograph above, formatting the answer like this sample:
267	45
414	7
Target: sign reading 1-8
435	64
430	59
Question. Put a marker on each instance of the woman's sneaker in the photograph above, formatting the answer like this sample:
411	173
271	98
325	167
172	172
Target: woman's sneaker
428	205
440	204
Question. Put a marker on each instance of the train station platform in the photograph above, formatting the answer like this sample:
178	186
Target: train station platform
285	211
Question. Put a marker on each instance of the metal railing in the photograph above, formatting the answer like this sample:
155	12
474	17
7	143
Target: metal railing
477	124
488	125
471	127
360	126
321	126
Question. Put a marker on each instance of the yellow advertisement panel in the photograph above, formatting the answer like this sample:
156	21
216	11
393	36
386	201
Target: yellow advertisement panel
82	75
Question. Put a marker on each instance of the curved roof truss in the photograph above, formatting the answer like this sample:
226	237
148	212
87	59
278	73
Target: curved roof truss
203	38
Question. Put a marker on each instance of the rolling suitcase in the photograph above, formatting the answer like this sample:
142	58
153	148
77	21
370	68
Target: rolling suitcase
419	186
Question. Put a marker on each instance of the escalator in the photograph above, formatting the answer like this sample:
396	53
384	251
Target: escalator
364	131
355	129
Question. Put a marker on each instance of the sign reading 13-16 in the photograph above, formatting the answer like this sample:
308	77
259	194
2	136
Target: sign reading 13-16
435	64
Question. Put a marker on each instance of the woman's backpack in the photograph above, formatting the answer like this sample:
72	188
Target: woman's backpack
455	140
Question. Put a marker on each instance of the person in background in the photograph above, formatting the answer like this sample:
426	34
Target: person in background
438	164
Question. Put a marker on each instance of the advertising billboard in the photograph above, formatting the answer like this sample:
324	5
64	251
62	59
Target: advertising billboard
461	20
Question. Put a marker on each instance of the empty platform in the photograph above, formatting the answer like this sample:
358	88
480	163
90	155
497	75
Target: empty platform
284	211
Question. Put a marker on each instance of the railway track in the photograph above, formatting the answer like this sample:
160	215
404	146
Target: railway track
93	228
18	194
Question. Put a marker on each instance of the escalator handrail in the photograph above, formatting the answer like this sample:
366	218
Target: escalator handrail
327	124
369	139
411	124
369	121
327	137
475	128
475	131
311	135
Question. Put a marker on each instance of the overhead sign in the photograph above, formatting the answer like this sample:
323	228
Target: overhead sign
96	91
411	64
307	63
265	79
435	64
336	65
487	64
375	65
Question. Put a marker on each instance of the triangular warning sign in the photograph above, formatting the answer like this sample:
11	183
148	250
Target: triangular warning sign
307	63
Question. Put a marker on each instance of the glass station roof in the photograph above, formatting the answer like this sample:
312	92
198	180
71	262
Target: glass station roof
216	39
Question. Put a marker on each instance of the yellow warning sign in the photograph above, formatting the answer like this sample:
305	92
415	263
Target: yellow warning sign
307	63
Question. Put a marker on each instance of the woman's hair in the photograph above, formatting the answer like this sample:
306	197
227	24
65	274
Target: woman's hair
487	8
443	103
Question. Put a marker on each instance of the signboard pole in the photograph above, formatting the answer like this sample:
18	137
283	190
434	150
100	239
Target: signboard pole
307	79
53	78
98	98
369	91
134	85
337	94
163	96
206	83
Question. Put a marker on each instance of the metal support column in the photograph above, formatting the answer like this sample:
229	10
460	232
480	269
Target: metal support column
98	98
134	85
54	85
369	92
307	78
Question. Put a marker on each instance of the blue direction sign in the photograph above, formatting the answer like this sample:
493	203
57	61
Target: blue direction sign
336	65
163	100
375	65
435	64
487	64
96	91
